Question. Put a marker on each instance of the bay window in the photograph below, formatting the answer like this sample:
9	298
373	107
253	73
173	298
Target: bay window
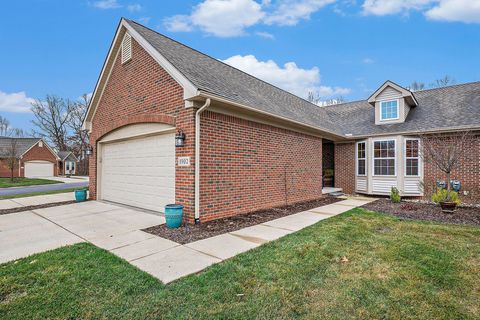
361	158
412	157
384	158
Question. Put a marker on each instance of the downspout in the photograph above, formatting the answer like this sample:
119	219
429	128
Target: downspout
197	159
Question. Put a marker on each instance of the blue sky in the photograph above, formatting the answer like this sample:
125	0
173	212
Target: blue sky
334	47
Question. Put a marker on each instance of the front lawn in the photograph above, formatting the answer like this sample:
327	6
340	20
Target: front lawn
392	269
40	193
22	182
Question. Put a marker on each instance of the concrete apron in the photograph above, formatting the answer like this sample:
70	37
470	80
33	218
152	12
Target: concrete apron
117	229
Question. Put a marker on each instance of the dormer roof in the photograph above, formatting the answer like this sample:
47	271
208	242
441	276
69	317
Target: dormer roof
406	94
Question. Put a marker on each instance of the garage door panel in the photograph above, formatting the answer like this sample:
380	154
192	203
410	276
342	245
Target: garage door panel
39	169
140	172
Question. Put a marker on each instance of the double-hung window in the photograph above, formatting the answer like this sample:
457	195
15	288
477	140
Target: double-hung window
361	158
384	158
412	157
389	110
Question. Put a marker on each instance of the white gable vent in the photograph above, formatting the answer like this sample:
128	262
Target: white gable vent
126	48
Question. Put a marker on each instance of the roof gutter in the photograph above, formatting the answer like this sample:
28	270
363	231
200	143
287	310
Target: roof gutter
197	159
221	99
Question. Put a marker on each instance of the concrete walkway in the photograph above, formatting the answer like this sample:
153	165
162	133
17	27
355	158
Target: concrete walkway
117	229
36	200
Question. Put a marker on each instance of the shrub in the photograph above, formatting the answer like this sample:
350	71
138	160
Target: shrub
441	195
395	195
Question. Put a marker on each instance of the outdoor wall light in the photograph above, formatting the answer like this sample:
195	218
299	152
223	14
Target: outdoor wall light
89	150
180	139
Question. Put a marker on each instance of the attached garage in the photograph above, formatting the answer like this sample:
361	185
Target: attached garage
138	171
39	168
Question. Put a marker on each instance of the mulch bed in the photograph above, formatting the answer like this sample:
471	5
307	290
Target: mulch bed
190	233
425	211
40	206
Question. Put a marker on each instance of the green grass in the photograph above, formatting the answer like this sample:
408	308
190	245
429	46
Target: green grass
395	270
22	182
41	193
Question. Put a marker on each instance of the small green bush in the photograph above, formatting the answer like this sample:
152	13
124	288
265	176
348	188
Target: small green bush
441	195
395	195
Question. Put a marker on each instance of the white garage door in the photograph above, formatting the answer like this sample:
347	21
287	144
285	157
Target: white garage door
139	172
38	169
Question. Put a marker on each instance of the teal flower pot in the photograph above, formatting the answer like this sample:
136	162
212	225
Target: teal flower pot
80	195
173	215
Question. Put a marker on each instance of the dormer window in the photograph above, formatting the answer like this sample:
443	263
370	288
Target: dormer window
389	110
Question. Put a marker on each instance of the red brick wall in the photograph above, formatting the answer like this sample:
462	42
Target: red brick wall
247	166
142	91
468	172
36	153
40	153
5	171
345	167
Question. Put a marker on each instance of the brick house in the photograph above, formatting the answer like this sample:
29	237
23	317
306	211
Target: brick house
244	144
35	158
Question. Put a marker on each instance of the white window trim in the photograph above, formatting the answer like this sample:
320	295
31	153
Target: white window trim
398	110
405	158
394	158
357	158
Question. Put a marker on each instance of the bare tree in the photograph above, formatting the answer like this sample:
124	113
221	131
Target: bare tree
443	82
51	117
12	151
79	138
4	126
445	151
316	98
416	86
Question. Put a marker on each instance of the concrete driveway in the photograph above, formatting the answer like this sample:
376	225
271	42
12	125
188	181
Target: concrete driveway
106	225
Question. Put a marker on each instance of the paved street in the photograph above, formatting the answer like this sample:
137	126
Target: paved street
42	188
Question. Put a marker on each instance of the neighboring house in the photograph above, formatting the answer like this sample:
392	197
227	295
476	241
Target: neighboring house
67	164
35	158
249	145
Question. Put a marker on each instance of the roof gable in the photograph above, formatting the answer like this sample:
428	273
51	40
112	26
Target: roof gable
406	94
115	50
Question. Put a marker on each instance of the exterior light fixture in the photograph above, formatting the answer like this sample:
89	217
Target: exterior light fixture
89	150
180	139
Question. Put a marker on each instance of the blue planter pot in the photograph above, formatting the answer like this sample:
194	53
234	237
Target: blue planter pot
173	215
80	195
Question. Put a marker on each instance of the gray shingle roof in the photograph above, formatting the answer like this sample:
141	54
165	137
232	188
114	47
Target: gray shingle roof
22	145
444	108
213	76
452	107
63	154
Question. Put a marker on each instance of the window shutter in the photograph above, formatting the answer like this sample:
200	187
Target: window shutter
126	48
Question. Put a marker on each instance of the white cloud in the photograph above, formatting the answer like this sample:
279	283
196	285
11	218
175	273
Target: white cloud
228	18
386	7
456	10
144	20
290	12
368	61
15	102
107	4
265	35
135	7
289	77
219	17
178	23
